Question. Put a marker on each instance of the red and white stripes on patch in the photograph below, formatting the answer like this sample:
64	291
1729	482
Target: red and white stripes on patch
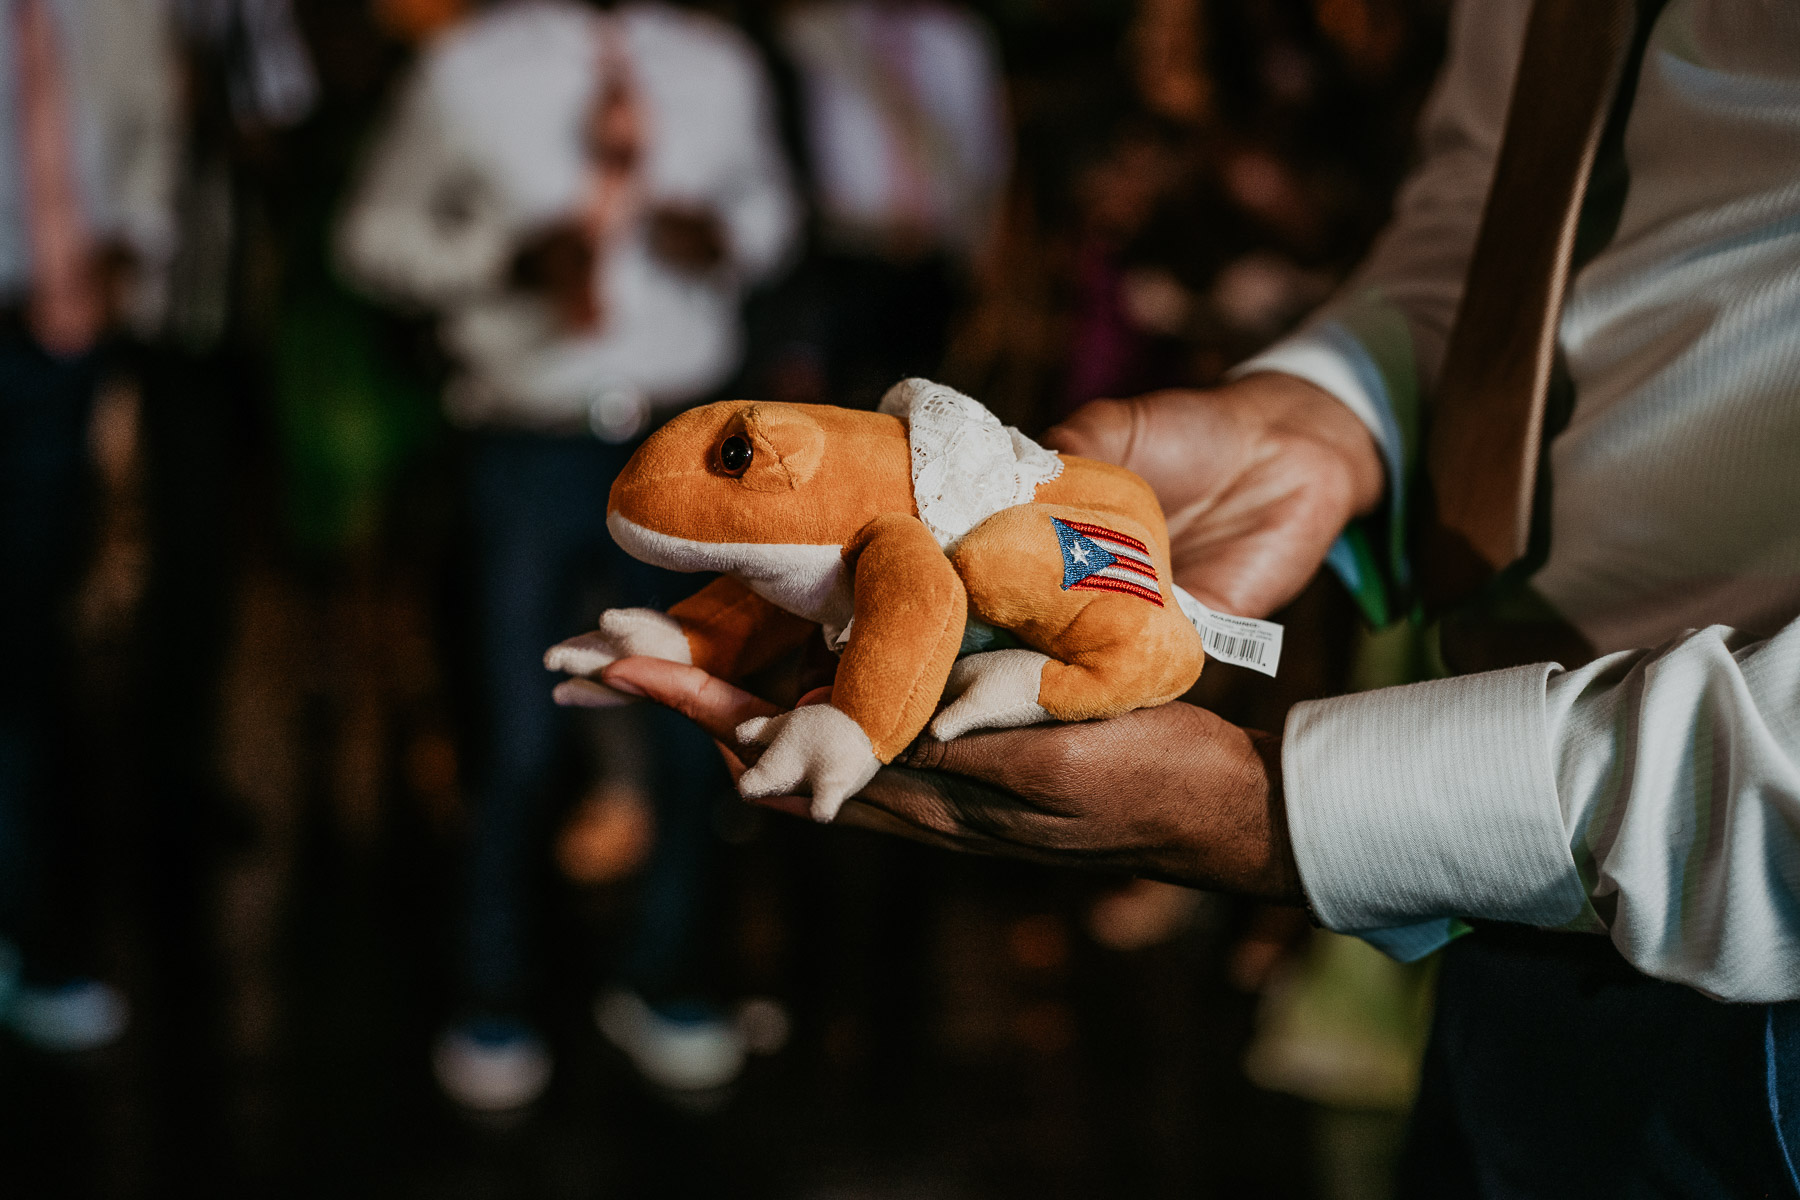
1132	572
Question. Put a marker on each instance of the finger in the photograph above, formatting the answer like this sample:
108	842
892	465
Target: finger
793	806
916	802
1203	585
955	813
1101	429
1257	574
858	813
1011	759
903	793
941	811
708	701
819	695
733	763
585	693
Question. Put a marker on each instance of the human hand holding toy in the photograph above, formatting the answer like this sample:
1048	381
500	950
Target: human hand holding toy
1256	478
1171	792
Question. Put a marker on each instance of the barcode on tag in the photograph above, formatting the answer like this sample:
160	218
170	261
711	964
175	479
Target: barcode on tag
1245	641
1235	648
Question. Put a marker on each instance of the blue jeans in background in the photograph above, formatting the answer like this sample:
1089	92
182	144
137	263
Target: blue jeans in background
44	407
538	509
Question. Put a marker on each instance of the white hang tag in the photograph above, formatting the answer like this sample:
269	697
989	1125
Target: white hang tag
1245	641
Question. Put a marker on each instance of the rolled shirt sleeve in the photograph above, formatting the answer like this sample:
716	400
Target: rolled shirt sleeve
1651	795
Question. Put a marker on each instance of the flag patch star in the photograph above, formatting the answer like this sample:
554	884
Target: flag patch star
1098	559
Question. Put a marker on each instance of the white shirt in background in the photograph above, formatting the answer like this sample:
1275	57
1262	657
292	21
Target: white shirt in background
905	121
488	146
120	79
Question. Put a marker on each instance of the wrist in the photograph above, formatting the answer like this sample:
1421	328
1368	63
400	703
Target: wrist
1287	408
1235	838
1278	872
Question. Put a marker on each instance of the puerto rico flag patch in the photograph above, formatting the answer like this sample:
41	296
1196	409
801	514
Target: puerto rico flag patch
1098	559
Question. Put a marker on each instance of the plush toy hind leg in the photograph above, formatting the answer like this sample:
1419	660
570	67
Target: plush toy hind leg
908	624
1088	593
996	689
725	629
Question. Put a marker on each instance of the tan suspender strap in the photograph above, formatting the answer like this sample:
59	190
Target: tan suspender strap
1487	419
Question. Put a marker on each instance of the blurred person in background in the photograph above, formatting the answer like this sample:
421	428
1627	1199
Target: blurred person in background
903	129
582	195
1594	814
87	122
198	362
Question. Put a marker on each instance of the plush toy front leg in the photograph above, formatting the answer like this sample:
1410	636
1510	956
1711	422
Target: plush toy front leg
623	633
909	614
733	632
724	629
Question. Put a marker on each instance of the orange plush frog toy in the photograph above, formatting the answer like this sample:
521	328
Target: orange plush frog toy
914	536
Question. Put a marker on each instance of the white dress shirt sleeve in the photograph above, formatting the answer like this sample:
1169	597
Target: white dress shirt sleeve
1652	795
128	67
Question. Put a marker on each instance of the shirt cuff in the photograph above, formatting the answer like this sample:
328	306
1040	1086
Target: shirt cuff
1328	356
1413	806
1361	355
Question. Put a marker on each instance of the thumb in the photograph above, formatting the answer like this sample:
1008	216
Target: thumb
1005	758
1100	429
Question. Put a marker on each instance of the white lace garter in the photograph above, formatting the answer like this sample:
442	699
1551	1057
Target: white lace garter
966	465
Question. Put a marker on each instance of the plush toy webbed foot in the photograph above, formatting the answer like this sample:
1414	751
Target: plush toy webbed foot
814	749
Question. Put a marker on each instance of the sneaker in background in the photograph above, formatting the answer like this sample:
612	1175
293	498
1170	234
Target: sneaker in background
59	1018
67	1018
682	1047
491	1064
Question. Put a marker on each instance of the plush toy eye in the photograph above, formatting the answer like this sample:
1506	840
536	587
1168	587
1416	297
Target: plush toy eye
734	455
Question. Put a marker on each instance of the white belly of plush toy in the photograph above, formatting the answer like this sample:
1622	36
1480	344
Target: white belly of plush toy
806	580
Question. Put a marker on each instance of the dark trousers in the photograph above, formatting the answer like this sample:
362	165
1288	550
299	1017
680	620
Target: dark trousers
194	445
538	512
1555	1069
44	407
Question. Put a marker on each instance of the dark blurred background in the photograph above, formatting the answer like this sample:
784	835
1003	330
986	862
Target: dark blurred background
243	777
